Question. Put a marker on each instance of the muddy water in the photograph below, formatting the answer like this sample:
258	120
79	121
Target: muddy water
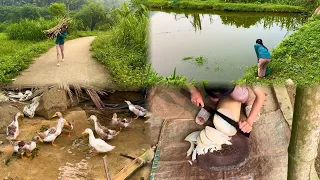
70	159
215	47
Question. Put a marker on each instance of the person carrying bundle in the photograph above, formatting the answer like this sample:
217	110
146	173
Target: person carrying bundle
60	44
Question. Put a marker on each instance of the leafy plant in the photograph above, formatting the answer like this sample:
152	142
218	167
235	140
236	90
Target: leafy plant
58	9
199	61
30	29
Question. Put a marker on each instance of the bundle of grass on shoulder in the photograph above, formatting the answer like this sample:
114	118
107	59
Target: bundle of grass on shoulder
53	32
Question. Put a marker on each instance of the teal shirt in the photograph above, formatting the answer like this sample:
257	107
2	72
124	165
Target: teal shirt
60	38
261	52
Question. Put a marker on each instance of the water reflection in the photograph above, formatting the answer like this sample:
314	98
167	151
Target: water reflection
246	20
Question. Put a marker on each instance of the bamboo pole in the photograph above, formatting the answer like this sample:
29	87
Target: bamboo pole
105	162
134	165
305	134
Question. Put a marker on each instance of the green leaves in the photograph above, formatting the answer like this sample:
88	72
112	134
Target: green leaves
30	29
17	55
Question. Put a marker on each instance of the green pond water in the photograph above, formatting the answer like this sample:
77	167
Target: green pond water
214	47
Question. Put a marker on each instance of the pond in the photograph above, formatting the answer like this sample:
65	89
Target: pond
214	47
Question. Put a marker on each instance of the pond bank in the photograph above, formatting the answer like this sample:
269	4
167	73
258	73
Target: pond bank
220	6
296	57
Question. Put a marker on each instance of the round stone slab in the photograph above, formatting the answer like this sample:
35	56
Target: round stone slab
230	157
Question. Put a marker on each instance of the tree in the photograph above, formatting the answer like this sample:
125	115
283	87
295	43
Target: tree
92	14
30	12
305	134
58	9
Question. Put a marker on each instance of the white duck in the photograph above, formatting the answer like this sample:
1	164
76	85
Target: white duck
99	145
52	133
104	132
138	110
13	128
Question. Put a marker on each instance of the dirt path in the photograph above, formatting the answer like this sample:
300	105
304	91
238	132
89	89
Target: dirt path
78	68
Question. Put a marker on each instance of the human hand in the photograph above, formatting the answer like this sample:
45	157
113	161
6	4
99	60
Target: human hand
245	126
196	99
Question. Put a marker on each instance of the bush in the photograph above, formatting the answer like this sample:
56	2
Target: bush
58	9
4	26
91	14
30	29
103	27
77	25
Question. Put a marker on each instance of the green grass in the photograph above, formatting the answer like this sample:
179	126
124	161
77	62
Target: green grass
215	5
17	55
296	57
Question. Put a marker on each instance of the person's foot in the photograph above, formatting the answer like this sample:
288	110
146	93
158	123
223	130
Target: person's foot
248	111
58	64
62	60
202	116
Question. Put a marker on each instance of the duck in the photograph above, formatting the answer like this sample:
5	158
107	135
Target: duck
26	147
122	123
13	128
68	128
138	110
99	145
52	133
104	132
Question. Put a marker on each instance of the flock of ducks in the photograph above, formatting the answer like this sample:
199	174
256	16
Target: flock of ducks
24	148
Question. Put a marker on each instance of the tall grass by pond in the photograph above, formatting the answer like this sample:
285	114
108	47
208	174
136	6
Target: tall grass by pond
216	5
296	57
304	3
123	50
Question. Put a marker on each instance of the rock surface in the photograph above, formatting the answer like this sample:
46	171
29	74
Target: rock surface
7	113
52	101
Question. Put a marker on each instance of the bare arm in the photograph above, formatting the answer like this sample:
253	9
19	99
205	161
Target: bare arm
246	126
257	104
196	97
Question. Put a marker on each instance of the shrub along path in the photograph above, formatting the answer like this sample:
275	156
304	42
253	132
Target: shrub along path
78	68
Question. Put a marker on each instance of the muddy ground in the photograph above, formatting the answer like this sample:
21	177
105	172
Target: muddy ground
70	159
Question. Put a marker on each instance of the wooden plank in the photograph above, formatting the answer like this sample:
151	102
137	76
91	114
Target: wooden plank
134	165
284	102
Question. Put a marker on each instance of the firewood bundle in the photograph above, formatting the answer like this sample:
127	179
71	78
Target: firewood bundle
53	32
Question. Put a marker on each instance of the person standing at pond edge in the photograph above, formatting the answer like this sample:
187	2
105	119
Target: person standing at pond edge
60	44
263	56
